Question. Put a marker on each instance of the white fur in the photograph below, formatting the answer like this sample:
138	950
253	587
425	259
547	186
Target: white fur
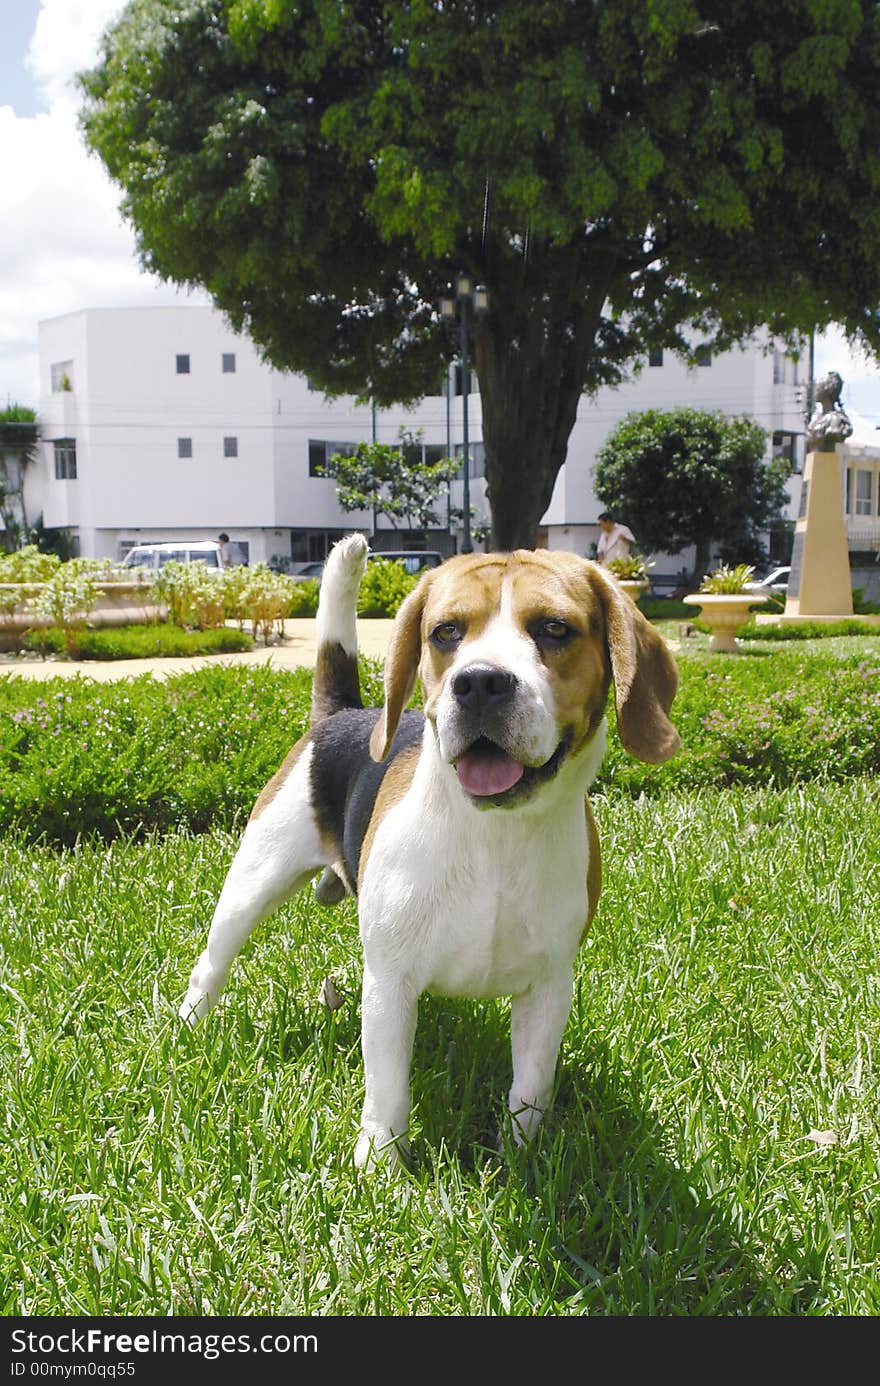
471	902
336	618
279	852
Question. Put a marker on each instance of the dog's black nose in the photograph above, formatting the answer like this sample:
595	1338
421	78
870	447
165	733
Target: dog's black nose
482	686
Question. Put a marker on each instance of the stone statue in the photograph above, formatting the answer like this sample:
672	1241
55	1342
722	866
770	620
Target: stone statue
828	424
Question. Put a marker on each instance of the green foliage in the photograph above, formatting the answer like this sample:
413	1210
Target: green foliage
383	587
199	598
806	630
195	597
622	176
392	480
28	565
304	596
796	716
76	756
633	568
688	476
150	641
727	580
69	594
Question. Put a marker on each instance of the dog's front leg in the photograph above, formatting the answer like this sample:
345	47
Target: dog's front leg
388	1025
537	1020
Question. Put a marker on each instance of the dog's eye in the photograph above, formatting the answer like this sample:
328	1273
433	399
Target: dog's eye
550	631
445	635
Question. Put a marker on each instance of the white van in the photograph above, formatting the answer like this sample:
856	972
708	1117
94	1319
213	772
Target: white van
152	557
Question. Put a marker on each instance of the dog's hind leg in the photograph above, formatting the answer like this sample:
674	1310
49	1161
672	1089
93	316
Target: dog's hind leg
280	851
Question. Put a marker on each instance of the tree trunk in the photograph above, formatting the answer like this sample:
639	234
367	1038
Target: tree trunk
532	359
701	560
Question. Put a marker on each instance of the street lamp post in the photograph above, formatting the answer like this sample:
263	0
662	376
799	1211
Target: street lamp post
470	298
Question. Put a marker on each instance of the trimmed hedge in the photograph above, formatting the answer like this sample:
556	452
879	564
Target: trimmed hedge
195	750
138	642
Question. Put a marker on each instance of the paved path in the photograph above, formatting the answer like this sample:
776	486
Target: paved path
296	651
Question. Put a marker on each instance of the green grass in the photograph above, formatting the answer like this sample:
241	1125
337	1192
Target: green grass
726	1010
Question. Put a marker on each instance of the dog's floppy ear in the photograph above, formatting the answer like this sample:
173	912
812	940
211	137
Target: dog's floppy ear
644	672
401	667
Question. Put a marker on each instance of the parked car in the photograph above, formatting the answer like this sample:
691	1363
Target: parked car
301	571
775	583
413	560
151	557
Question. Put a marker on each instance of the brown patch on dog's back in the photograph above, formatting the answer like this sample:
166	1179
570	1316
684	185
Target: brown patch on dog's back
594	869
397	781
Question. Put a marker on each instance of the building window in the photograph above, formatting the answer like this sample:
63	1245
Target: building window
230	447
321	451
703	356
61	377
477	459
785	445
182	363
184	447
474	385
229	363
655	357
65	459
863	491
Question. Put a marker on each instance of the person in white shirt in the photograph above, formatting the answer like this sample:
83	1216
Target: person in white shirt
614	541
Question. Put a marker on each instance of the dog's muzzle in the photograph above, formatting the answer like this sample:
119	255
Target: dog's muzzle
489	764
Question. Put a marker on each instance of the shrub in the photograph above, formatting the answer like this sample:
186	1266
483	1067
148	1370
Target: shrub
727	580
304	598
195	597
633	568
806	630
384	587
195	750
28	565
138	642
68	596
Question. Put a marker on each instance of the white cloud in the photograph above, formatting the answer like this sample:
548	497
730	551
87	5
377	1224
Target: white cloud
63	244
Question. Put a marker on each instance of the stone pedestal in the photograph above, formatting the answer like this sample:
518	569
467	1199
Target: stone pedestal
820	584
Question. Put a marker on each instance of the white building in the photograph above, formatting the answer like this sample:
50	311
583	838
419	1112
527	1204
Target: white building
162	423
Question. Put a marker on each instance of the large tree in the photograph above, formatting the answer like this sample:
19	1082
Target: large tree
621	174
690	476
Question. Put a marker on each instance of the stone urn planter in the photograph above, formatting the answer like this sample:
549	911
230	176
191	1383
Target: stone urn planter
724	613
634	587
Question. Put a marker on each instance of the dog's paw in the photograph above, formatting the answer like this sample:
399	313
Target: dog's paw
376	1148
204	988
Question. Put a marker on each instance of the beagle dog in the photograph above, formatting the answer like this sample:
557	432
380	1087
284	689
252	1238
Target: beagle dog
465	831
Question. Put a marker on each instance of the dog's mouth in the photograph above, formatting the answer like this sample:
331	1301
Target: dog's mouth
490	774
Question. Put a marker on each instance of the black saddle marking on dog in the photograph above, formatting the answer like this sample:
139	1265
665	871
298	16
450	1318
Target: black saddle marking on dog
345	780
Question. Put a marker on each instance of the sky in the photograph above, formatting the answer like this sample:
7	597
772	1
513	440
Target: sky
63	244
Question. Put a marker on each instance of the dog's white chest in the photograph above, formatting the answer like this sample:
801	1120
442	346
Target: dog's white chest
483	906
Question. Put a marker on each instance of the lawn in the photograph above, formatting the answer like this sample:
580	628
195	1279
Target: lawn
713	1149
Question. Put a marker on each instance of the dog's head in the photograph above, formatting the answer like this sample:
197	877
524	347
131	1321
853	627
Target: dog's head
516	652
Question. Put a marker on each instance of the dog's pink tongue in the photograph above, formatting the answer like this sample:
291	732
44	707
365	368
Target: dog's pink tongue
488	774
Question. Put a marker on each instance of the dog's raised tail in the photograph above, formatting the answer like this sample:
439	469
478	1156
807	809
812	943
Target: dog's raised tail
336	683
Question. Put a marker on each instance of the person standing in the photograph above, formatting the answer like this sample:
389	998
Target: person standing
226	558
615	540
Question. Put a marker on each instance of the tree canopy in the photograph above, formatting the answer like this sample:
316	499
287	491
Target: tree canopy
689	476
621	175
